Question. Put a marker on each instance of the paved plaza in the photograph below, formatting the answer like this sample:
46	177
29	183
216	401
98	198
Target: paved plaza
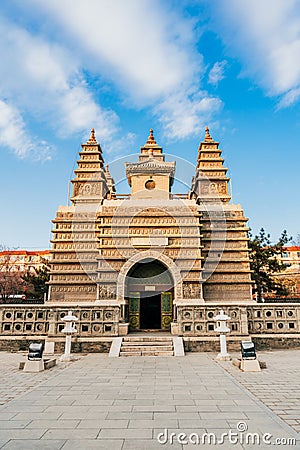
126	403
278	387
14	382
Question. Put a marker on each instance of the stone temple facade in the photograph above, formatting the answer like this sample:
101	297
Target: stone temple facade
151	260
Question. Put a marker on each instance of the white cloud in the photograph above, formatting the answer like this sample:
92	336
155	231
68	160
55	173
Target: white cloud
265	35
289	98
79	112
183	117
137	43
216	74
145	49
13	135
46	83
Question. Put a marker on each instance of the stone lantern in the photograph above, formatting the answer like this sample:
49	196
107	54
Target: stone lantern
69	329
222	328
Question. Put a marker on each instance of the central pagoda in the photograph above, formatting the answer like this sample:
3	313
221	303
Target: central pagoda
152	177
151	259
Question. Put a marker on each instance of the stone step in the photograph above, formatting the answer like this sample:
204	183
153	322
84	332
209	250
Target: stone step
147	339
149	348
147	353
147	343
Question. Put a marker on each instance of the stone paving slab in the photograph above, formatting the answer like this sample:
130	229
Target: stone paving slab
31	444
91	444
14	382
68	410
278	386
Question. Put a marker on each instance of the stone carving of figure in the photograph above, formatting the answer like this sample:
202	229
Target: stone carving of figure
186	291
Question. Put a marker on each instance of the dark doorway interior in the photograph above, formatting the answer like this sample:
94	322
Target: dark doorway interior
150	311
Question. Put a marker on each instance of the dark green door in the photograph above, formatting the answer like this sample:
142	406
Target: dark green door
166	310
134	310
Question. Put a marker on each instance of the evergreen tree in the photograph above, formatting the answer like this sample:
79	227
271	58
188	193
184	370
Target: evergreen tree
264	263
37	282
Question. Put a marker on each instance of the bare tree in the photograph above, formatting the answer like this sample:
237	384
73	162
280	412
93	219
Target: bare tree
296	240
11	282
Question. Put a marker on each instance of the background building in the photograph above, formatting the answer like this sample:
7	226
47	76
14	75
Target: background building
24	260
290	257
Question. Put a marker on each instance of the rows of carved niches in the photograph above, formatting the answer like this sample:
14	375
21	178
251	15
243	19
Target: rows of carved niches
75	246
152	221
200	320
227	266
92	321
74	267
33	320
29	320
126	253
73	256
125	242
144	231
77	237
274	319
234	234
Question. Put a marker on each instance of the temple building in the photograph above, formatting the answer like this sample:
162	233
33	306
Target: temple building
151	259
128	264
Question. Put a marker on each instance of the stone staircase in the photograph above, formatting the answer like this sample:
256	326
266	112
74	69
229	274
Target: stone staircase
147	346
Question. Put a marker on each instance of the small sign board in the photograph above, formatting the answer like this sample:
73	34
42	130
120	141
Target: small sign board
149	288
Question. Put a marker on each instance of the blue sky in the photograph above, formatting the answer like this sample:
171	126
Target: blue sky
123	67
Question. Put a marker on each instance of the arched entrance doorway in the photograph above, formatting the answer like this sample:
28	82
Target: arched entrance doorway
149	291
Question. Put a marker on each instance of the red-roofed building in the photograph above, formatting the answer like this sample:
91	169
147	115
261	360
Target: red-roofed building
290	257
24	260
